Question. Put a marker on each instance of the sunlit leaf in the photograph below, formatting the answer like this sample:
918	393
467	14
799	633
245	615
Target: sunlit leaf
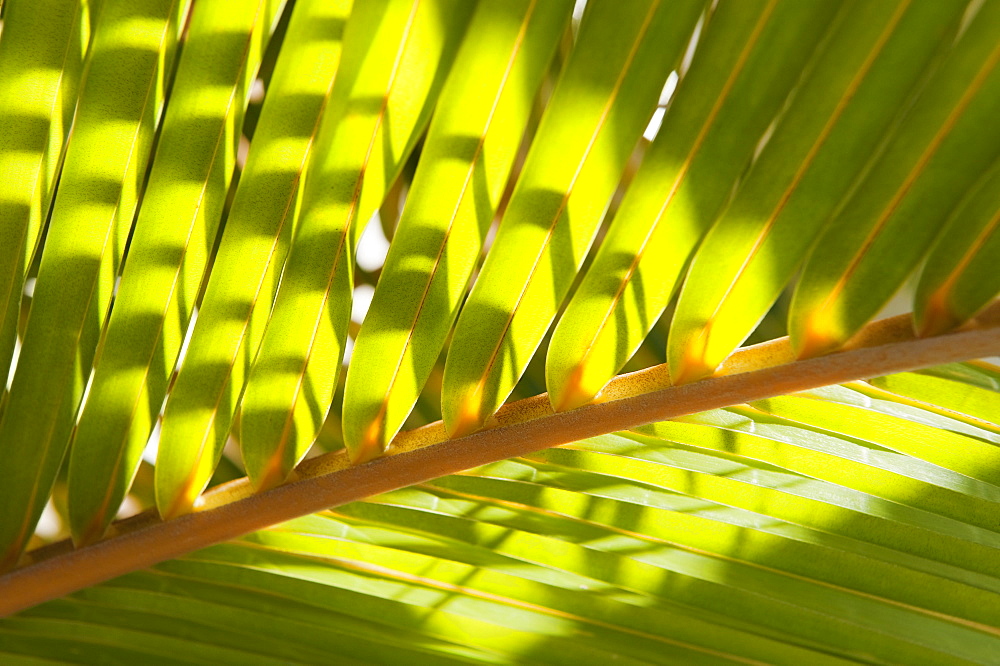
166	261
732	536
880	235
119	107
282	270
378	110
248	261
956	397
960	276
41	58
876	55
742	71
466	158
604	98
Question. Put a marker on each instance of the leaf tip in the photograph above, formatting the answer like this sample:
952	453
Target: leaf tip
272	475
692	355
179	503
90	532
10	558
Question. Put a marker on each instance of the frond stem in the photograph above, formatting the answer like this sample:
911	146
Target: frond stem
232	510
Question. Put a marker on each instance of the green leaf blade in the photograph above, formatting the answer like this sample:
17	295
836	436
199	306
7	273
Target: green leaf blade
936	523
41	61
253	247
960	276
981	404
601	103
882	233
795	536
367	135
742	70
960	453
868	67
190	176
97	196
468	154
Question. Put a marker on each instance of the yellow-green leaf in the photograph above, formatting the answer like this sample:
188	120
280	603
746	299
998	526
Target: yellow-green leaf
188	182
603	100
466	158
379	113
251	252
119	106
42	51
961	274
969	456
745	63
868	67
880	235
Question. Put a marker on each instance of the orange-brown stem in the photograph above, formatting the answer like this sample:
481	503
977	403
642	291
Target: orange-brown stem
520	428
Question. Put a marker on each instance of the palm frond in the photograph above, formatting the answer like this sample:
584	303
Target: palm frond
183	264
753	533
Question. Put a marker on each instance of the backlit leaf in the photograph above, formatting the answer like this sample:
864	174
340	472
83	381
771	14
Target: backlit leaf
378	110
880	235
166	261
742	71
601	104
252	250
119	107
466	158
730	536
41	58
961	274
876	55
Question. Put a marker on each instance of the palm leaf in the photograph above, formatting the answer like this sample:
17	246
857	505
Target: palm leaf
818	151
733	534
91	217
768	504
475	120
931	161
166	262
50	41
602	100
